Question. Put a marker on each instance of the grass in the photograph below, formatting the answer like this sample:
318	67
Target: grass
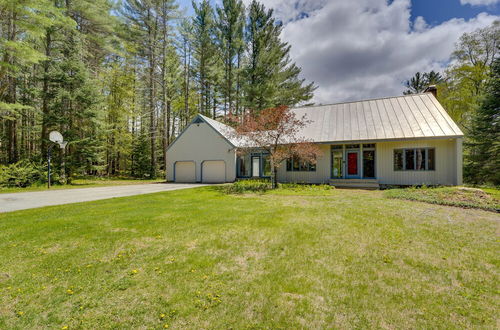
486	198
199	258
82	183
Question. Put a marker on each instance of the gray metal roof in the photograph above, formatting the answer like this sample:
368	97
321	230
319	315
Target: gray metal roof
392	118
226	131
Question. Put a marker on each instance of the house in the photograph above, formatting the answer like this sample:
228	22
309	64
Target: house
404	140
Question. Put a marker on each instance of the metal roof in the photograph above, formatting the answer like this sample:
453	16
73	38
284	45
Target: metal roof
392	118
226	131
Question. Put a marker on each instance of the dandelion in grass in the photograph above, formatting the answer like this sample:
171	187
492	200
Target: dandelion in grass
64	327
162	316
165	325
134	272
69	291
20	313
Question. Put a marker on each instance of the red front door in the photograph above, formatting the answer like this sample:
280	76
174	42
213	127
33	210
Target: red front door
352	163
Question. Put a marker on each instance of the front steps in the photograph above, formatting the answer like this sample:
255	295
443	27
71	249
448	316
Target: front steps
355	183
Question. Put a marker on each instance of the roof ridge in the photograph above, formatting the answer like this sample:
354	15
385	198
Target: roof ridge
363	100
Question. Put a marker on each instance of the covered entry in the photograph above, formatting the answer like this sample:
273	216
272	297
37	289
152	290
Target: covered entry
213	171
185	171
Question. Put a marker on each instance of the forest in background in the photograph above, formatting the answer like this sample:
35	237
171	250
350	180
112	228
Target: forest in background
469	90
120	80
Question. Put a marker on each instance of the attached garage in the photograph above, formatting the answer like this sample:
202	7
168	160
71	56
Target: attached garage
205	151
185	171
213	171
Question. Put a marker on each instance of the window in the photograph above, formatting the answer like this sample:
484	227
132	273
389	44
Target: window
352	146
418	159
369	163
297	165
266	165
430	159
337	147
409	159
369	146
337	163
398	160
244	166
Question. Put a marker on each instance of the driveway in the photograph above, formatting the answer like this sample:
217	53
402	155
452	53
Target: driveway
29	200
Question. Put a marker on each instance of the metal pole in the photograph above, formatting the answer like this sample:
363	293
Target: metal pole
48	167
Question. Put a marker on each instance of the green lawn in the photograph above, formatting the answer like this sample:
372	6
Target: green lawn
198	258
485	198
82	183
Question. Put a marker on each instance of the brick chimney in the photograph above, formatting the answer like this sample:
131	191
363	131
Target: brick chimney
432	89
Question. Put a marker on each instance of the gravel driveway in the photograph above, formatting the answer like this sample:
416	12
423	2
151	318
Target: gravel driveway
28	200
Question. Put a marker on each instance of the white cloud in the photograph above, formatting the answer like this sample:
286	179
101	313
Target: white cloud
366	48
479	2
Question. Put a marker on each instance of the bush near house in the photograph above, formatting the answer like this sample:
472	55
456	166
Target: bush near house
452	196
262	185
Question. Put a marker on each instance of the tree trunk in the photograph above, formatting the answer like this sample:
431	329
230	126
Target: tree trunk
45	92
152	101
274	178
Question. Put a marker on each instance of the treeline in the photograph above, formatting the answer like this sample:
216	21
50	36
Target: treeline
469	91
120	81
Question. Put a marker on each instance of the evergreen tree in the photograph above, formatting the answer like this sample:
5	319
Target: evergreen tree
230	24
419	82
22	25
272	79
204	54
483	159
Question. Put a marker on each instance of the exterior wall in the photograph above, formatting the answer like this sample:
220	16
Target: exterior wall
200	142
448	163
321	175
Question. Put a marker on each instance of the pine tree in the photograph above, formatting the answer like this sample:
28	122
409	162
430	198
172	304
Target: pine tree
483	161
143	21
272	79
204	54
22	25
230	24
186	41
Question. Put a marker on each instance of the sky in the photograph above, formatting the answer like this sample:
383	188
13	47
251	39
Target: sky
360	49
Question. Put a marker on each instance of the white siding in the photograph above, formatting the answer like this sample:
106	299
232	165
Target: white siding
446	172
198	143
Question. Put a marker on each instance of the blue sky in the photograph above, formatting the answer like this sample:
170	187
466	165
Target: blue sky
355	49
434	11
438	11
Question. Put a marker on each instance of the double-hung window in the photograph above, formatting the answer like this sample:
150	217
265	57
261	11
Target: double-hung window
415	159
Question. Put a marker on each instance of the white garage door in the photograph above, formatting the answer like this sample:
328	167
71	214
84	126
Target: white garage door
185	172
213	171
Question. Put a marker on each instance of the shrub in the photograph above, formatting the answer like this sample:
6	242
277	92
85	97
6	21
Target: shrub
242	186
260	185
306	187
21	174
